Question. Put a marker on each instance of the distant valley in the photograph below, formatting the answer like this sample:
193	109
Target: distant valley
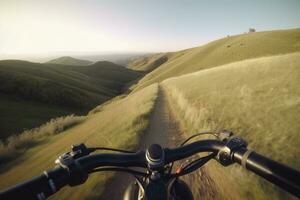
32	93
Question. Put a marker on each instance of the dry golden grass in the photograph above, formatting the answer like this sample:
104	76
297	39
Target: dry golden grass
258	99
148	64
223	51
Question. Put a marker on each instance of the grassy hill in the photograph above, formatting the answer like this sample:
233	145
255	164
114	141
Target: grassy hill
32	93
219	52
108	127
258	99
148	64
67	60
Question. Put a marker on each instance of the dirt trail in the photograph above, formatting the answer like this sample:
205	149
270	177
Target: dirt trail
164	129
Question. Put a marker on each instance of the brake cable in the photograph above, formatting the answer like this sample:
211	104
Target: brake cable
199	134
109	149
191	137
185	170
119	169
194	165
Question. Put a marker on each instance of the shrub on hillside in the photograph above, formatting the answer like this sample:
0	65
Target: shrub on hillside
19	143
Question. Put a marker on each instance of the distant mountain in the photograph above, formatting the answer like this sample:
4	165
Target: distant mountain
118	58
67	60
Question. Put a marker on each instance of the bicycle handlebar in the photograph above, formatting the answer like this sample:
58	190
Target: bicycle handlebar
111	159
39	187
279	174
50	182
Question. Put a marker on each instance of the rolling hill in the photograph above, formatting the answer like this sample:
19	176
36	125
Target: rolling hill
67	60
219	52
259	100
118	58
43	91
148	64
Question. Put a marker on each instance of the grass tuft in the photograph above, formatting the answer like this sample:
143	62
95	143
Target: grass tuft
18	144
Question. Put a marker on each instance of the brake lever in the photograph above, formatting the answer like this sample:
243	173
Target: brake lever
232	144
68	161
225	135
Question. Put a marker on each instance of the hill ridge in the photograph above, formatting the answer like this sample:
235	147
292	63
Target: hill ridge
223	51
68	60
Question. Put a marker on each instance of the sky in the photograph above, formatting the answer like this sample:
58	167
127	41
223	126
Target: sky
40	27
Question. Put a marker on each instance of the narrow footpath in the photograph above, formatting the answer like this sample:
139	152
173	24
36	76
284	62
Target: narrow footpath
163	129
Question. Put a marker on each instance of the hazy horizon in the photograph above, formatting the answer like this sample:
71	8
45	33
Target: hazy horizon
91	56
47	29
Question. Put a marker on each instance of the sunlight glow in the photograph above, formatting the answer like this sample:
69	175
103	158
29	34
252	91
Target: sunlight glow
50	26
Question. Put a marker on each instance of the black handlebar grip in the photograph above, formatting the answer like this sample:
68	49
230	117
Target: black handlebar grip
39	187
281	175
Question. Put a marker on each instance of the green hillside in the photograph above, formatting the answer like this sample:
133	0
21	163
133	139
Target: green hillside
108	127
67	60
222	51
43	91
258	99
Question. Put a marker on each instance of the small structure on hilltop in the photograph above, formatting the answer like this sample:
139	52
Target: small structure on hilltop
251	30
